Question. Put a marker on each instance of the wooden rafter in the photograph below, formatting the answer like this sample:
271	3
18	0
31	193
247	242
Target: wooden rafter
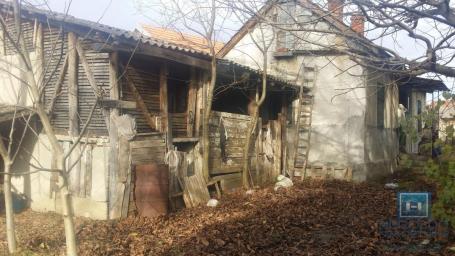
58	85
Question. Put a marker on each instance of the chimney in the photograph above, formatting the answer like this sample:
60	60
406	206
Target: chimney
358	23
336	8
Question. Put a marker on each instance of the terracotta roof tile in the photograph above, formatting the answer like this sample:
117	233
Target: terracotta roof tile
192	42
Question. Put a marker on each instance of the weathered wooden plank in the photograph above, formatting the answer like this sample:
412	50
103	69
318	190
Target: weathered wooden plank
140	102
158	142
164	108
91	78
230	115
124	170
39	49
88	170
192	97
113	165
200	103
88	71
277	143
122	104
58	84
73	114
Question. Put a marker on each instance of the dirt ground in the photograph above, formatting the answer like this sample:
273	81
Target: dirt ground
311	218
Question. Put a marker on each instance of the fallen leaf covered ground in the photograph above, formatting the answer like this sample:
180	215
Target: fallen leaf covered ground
311	218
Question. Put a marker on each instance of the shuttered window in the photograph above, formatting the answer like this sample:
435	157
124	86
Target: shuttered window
285	17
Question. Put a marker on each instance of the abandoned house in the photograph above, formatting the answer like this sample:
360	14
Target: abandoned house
141	151
345	125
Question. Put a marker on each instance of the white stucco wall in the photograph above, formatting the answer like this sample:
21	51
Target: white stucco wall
342	132
10	80
37	188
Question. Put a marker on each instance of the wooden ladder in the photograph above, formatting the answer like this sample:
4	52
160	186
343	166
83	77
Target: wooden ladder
304	122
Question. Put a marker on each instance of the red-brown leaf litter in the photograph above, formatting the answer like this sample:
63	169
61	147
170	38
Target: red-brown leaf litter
311	218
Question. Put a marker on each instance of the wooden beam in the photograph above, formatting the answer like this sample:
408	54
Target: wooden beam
140	102
113	159
157	52
39	49
184	140
164	108
72	86
114	88
85	64
58	85
192	96
88	170
73	114
204	78
118	104
2	43
90	77
124	175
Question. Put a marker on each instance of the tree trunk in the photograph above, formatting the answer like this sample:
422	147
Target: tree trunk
57	150
67	208
9	212
208	96
250	137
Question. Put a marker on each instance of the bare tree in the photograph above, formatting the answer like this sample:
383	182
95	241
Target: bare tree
427	23
262	36
9	155
263	43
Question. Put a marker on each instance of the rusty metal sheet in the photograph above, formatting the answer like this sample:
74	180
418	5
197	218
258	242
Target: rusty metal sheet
151	189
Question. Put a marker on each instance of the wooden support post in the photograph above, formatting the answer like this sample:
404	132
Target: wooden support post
200	102
88	170
114	89
164	109
284	149
2	43
39	49
192	97
72	86
123	177
113	164
278	147
75	179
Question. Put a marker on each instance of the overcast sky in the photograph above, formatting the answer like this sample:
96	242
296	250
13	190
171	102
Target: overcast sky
117	13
